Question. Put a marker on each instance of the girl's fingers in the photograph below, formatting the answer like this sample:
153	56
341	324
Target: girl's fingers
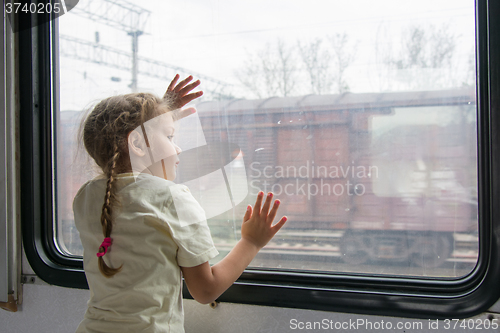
188	98
183	83
186	112
248	213
172	84
267	204
272	213
258	202
188	88
275	228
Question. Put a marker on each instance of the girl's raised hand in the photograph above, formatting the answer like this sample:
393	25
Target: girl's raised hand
179	93
257	226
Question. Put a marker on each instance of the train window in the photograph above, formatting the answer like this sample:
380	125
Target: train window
362	118
361	126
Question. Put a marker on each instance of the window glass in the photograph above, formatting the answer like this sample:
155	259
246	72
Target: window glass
360	117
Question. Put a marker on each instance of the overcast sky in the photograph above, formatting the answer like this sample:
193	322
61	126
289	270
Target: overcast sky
216	37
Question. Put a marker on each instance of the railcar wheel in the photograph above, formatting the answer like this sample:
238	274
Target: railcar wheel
353	249
431	250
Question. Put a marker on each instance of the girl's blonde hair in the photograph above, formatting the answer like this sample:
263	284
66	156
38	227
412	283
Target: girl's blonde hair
104	134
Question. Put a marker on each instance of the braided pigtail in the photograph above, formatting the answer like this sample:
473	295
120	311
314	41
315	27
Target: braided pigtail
106	216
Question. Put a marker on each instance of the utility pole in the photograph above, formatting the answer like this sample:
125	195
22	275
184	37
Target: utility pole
135	50
103	55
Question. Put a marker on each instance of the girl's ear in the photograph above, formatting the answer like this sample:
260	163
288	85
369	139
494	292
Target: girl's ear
136	144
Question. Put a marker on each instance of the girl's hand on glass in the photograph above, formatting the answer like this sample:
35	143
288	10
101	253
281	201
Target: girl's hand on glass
257	226
179	93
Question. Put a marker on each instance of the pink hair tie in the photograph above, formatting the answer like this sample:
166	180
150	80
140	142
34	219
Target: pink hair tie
105	244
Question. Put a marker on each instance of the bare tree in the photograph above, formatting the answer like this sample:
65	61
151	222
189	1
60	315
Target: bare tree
317	63
427	50
251	77
442	47
285	68
343	57
271	72
425	60
413	52
274	70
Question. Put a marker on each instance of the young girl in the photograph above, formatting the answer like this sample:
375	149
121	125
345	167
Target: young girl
135	241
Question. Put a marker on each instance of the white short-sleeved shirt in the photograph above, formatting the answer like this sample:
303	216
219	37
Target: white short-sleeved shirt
151	243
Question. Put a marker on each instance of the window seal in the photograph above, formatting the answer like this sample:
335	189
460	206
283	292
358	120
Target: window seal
35	82
361	294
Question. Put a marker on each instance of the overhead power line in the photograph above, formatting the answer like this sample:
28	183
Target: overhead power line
119	14
104	55
131	18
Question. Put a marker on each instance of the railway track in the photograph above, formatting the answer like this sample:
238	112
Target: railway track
321	250
327	244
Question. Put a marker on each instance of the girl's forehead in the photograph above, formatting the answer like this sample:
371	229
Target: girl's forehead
167	118
163	118
161	122
169	121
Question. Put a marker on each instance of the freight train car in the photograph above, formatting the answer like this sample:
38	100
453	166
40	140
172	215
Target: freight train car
394	173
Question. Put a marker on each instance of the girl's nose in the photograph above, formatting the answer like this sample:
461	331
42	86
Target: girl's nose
178	149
